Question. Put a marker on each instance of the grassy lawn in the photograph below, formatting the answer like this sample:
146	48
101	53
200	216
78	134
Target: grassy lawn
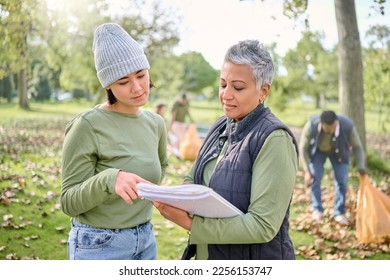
34	227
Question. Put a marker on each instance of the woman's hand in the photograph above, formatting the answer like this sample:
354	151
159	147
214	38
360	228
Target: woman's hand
126	186
309	178
176	215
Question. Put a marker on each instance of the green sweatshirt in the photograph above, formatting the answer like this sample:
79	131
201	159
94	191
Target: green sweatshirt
273	179
182	111
98	144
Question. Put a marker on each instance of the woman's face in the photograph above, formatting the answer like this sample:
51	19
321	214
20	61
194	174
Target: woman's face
131	91
237	91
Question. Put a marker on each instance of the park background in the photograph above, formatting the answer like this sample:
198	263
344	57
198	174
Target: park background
47	76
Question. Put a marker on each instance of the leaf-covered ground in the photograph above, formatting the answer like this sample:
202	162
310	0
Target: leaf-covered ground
330	239
32	225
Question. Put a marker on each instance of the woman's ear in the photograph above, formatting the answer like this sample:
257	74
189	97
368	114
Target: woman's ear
264	92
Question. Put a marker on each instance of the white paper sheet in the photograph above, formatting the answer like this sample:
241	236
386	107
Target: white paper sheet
195	199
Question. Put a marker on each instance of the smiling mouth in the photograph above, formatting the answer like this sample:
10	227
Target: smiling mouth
138	96
229	106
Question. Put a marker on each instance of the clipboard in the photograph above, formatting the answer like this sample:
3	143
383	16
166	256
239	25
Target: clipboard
193	198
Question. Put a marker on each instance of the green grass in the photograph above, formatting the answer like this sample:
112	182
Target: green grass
33	226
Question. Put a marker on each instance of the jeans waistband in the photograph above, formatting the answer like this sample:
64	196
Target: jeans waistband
76	223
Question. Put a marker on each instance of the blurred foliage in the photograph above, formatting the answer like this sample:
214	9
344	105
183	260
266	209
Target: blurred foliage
377	73
57	44
311	70
55	38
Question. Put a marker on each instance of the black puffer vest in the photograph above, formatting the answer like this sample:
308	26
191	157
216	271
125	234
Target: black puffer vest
233	174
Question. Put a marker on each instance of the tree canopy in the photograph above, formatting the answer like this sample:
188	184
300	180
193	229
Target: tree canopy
47	48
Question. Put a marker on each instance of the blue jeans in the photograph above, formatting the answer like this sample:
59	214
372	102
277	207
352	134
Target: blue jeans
90	243
340	171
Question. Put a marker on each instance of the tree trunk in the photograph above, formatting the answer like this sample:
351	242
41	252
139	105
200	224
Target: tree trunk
23	100
11	85
351	92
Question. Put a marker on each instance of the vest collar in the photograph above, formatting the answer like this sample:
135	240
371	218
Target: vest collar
237	130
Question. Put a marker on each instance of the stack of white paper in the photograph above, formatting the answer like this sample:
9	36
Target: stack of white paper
195	199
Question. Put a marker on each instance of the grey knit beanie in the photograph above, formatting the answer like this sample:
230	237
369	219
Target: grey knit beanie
117	54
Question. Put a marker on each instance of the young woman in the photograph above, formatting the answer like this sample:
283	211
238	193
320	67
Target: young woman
107	151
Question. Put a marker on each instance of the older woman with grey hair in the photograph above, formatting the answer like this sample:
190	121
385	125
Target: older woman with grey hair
250	158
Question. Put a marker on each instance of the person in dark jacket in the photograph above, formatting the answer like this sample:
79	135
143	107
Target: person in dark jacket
330	136
250	158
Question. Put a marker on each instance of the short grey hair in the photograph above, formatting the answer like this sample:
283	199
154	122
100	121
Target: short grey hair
256	56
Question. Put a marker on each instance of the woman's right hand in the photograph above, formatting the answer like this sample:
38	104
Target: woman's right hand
126	186
176	215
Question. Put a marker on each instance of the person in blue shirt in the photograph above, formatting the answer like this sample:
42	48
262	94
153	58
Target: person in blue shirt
330	136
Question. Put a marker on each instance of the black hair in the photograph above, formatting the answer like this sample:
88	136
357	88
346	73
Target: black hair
160	105
328	117
111	97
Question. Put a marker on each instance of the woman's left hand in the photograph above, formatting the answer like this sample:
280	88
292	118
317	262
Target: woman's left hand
176	215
